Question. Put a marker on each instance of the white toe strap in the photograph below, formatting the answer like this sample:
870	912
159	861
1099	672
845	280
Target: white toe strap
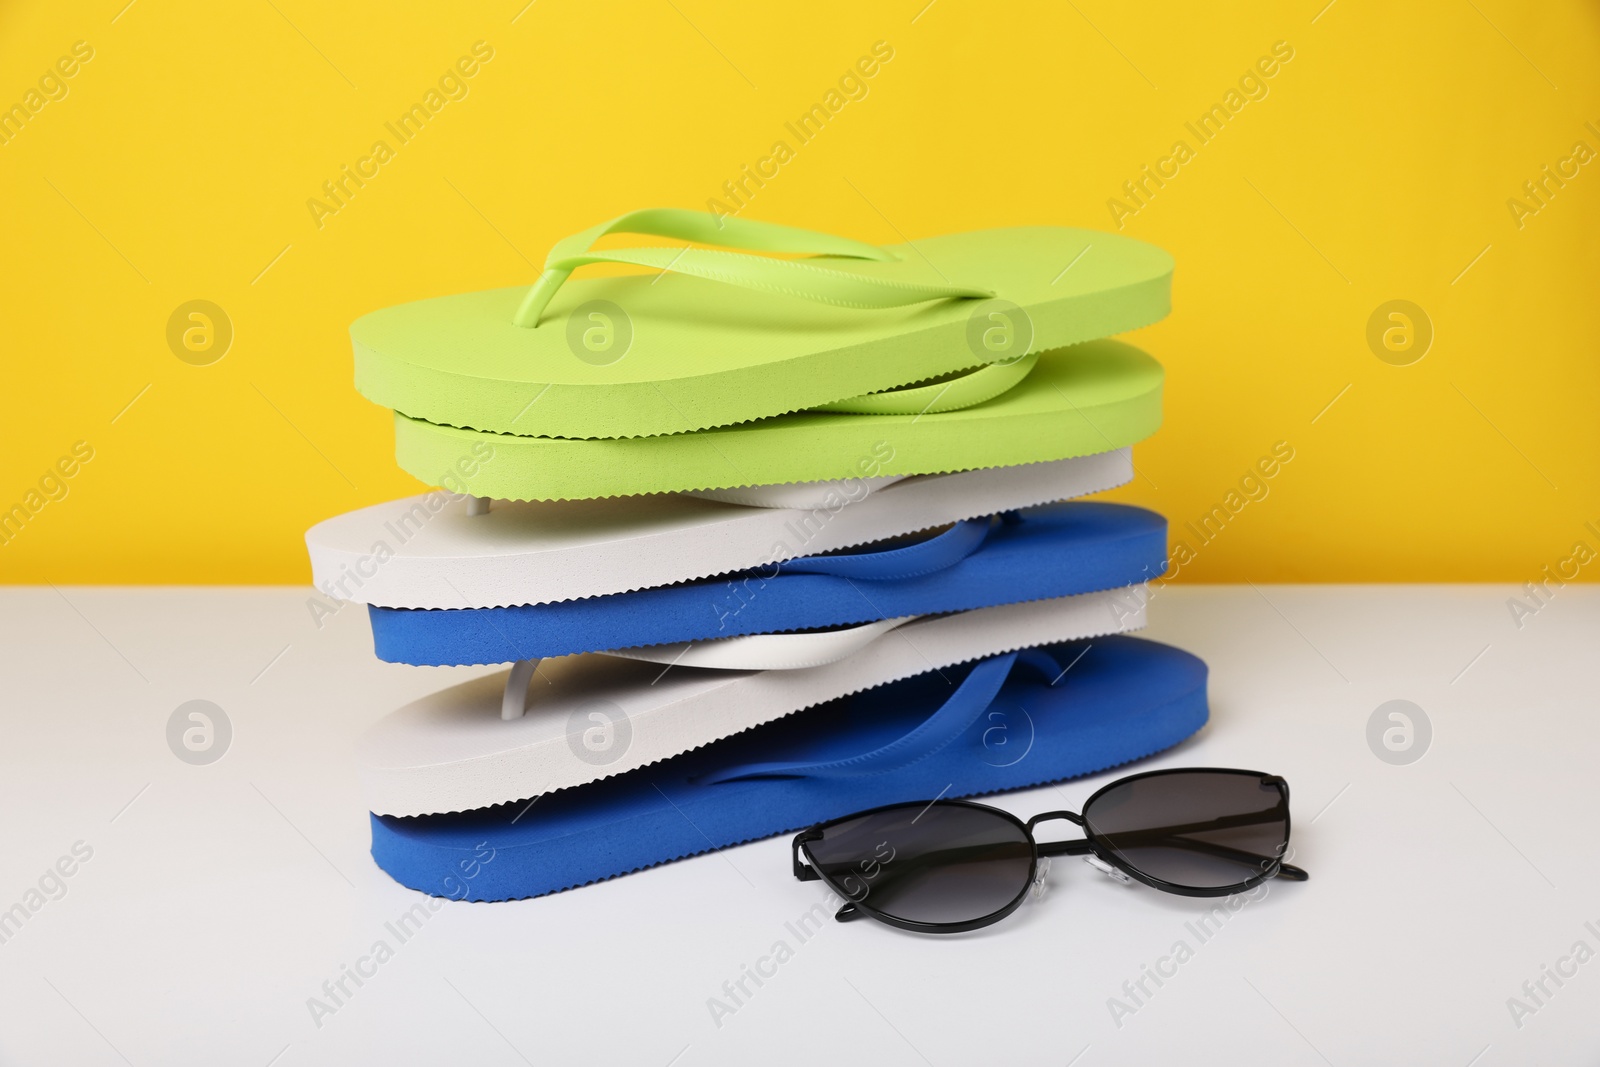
750	652
514	704
766	652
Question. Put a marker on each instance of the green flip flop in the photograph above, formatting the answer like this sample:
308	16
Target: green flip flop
713	338
1090	398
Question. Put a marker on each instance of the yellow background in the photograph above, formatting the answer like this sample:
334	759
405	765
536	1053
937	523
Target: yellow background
1378	167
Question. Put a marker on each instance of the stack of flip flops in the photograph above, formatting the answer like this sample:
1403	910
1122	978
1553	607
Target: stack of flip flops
765	540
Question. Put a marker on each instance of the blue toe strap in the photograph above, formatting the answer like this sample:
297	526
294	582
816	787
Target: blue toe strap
964	707
935	554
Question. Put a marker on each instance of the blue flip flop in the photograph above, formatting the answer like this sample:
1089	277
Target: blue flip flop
1049	551
1013	721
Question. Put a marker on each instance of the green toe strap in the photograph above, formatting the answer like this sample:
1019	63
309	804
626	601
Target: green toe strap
952	394
784	276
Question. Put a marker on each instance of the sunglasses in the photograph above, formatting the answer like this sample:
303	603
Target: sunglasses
948	866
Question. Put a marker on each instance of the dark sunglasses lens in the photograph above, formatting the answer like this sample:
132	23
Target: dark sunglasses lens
927	863
1198	829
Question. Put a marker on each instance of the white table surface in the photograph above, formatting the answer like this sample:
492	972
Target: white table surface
219	898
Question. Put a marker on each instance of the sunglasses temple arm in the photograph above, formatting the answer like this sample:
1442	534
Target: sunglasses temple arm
1083	846
1224	852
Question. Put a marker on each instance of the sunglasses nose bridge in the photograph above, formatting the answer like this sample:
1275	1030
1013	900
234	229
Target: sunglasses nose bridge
1068	816
1076	847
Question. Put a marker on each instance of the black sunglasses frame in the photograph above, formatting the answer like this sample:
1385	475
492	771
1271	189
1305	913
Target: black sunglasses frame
1088	845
